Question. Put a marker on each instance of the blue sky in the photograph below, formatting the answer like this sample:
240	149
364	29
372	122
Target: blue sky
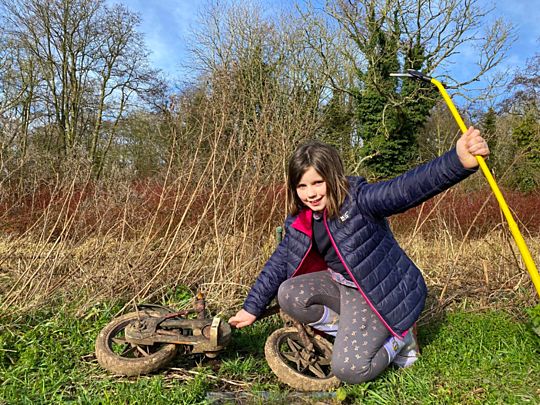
167	23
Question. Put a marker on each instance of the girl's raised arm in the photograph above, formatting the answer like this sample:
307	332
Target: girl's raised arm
425	181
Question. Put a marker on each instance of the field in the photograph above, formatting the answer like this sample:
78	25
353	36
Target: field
72	257
122	183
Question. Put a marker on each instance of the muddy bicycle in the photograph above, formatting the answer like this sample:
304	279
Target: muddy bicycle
147	339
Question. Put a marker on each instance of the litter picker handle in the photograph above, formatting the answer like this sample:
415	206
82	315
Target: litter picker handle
514	229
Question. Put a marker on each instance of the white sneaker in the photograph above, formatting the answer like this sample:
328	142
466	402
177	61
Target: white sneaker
408	354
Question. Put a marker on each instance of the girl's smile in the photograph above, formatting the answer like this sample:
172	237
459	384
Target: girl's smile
312	190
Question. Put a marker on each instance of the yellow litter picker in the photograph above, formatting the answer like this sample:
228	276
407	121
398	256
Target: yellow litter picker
525	253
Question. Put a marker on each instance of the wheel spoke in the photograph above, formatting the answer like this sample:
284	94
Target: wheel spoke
302	365
293	345
316	369
323	361
289	356
127	351
306	355
119	340
307	362
142	351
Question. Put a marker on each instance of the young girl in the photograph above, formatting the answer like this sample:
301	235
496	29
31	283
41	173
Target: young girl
339	268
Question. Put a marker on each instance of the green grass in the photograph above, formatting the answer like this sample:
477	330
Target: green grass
467	358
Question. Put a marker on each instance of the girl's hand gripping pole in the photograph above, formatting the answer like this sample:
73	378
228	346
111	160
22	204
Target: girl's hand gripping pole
522	246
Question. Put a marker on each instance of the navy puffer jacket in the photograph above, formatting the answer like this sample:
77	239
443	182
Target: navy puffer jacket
387	278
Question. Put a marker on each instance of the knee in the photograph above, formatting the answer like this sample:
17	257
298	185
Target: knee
285	297
352	373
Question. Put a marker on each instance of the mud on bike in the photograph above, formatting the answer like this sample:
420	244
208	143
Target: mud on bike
145	340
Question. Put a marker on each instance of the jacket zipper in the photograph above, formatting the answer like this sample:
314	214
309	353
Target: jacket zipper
354	279
304	258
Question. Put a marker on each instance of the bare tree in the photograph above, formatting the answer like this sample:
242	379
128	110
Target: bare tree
272	81
378	37
81	61
439	32
524	89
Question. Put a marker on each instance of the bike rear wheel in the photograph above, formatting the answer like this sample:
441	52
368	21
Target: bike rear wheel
295	365
118	356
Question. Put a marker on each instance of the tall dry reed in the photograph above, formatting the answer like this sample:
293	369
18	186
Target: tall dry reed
86	243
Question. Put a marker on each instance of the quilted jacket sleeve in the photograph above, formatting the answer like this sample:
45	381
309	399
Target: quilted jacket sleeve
267	284
413	187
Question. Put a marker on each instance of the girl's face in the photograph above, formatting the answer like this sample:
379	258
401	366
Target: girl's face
312	190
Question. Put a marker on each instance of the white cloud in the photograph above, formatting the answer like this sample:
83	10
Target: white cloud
165	24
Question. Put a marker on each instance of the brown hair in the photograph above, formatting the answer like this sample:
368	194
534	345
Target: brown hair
326	161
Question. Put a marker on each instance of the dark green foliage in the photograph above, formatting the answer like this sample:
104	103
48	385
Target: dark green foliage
337	124
390	112
337	129
488	125
527	137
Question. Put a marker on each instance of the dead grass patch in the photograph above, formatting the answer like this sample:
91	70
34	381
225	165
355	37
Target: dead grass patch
473	274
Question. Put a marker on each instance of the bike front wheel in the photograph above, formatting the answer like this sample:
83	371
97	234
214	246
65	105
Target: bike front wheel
117	355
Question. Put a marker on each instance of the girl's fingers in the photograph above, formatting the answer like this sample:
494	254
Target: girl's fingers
238	324
471	144
474	141
478	147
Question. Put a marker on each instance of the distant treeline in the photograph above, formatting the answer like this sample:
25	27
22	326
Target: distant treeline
79	95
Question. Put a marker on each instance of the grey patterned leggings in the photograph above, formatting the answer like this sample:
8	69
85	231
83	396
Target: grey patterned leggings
358	353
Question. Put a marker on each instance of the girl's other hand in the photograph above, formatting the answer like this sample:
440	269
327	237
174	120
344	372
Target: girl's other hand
241	319
471	144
